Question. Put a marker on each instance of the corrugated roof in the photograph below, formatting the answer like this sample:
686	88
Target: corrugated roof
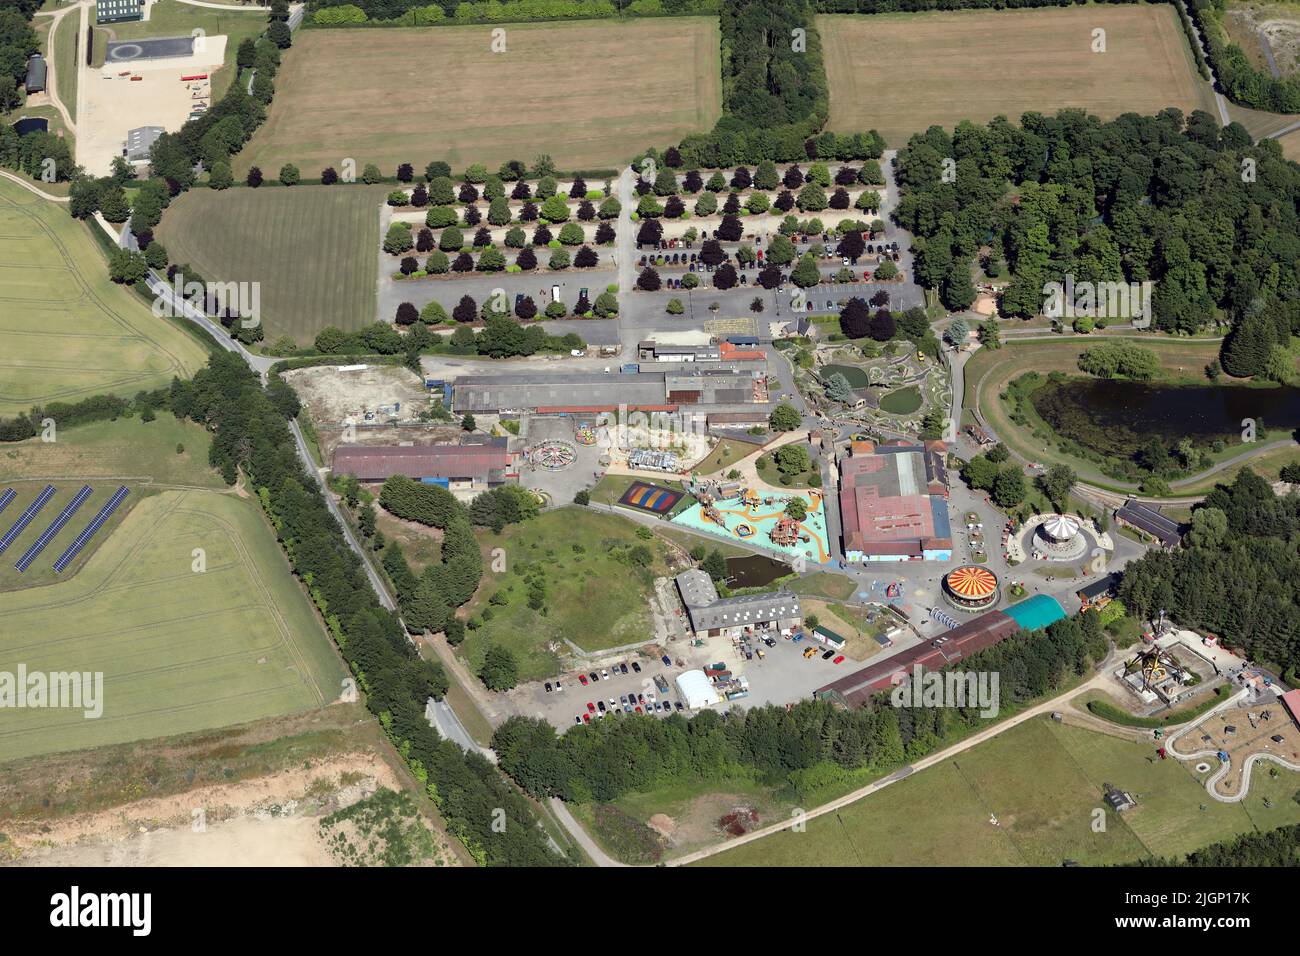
378	462
1150	520
961	642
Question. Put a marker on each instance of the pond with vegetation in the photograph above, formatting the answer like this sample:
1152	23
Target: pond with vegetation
1121	418
901	401
754	571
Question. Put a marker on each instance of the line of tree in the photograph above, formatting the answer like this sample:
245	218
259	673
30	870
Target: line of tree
251	434
795	747
1199	211
1272	848
1237	574
1241	80
18	41
97	408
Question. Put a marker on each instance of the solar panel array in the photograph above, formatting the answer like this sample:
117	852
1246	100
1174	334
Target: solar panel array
7	497
88	532
26	517
55	527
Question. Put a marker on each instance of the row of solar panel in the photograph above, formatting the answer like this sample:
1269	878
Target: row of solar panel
32	510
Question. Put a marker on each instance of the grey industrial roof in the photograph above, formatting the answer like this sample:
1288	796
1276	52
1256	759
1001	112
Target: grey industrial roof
492	392
1150	520
35	81
708	611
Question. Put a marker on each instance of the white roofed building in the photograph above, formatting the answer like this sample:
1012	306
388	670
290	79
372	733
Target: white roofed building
695	690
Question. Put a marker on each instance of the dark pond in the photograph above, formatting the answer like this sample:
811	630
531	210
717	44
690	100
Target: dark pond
1118	418
31	124
755	571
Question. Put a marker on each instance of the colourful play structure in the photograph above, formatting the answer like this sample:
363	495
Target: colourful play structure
762	522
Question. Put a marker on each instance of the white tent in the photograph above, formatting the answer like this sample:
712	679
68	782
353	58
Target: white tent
695	690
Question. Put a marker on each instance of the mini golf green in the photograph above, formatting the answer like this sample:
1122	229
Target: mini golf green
901	401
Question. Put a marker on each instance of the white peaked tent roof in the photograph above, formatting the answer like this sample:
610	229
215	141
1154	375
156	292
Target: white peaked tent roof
696	690
1061	527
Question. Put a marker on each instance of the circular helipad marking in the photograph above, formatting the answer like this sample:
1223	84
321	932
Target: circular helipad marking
127	51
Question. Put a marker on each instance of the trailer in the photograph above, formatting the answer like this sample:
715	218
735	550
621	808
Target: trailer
194	76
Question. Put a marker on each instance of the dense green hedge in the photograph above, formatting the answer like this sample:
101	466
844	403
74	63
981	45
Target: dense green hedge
1241	81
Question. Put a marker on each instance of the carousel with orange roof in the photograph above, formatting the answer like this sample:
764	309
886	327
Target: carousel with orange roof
971	588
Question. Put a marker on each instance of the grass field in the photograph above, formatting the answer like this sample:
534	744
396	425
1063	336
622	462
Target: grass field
902	73
171	19
1043	782
140	455
66	67
68	331
312	248
1291	145
593	599
179	650
591	94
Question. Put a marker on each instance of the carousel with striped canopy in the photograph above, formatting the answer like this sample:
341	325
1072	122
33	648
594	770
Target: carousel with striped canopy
971	588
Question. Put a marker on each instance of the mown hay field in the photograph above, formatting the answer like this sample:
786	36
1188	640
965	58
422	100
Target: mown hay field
592	94
902	73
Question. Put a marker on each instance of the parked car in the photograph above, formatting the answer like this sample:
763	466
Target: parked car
636	667
636	710
600	706
577	718
809	651
613	702
548	687
838	660
622	668
591	708
559	686
586	718
679	706
828	655
582	679
593	677
668	661
604	674
622	698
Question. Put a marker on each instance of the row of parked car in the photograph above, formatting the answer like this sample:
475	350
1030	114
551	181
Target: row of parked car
638	703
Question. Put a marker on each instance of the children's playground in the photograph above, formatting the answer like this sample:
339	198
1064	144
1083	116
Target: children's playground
758	520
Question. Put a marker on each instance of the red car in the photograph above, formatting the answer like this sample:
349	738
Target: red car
838	660
591	708
583	679
586	718
637	709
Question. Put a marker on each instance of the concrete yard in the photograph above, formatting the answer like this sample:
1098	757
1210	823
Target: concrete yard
110	104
